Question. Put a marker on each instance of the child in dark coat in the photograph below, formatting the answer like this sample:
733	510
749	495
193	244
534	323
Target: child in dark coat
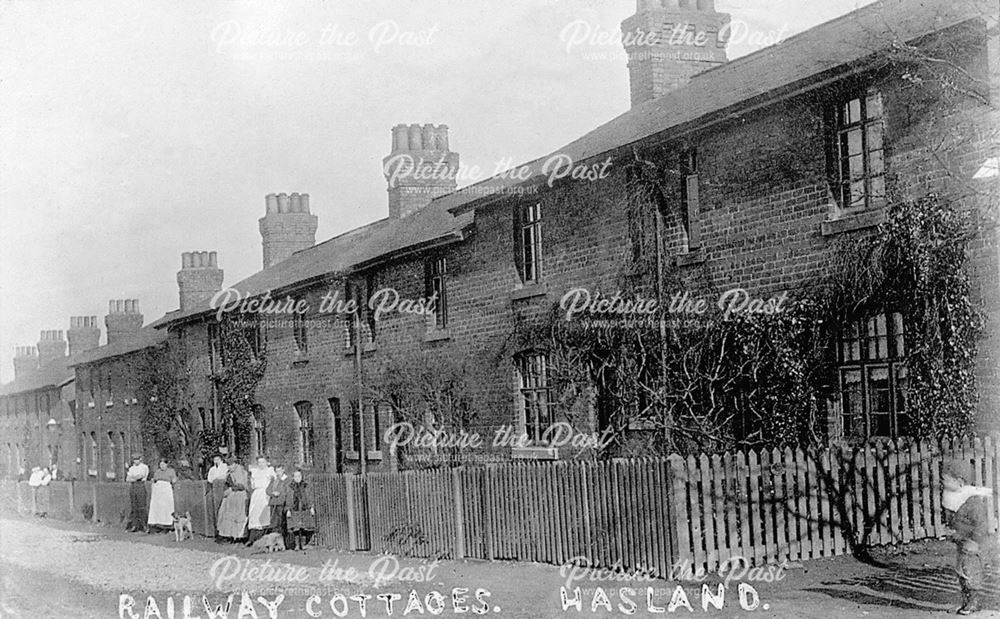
301	513
965	511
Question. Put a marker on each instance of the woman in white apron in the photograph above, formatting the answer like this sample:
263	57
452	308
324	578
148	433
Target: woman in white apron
161	501
260	514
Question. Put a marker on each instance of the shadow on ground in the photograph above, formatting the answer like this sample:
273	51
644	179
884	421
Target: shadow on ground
927	588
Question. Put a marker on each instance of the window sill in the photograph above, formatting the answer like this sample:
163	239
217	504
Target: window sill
298	363
641	424
534	453
374	454
528	291
853	221
369	347
692	257
437	335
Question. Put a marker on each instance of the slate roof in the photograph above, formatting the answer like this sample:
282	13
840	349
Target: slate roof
739	83
143	338
52	374
348	251
718	91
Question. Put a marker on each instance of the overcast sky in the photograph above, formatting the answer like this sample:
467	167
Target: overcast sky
134	131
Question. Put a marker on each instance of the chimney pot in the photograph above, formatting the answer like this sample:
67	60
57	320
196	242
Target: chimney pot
83	334
658	67
409	194
286	228
416	136
123	321
51	346
400	139
200	281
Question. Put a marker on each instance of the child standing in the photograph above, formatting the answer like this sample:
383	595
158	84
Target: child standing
965	512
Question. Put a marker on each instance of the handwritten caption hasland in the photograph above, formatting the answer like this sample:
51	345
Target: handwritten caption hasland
736	570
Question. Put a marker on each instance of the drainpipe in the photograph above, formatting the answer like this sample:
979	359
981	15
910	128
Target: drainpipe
362	455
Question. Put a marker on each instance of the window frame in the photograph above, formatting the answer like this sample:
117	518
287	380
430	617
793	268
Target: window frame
300	333
436	281
690	201
529	242
534	394
865	125
307	436
867	349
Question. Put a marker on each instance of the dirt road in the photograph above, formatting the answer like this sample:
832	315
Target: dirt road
52	569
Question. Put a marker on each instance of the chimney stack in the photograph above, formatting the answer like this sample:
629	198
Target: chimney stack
51	346
286	227
83	334
199	278
420	167
668	41
25	361
123	319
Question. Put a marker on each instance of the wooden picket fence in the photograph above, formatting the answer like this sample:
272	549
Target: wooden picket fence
793	505
636	515
652	514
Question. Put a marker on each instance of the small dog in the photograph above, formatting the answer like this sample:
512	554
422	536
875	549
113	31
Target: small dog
182	527
271	542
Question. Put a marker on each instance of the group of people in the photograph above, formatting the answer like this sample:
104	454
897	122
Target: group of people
261	500
157	512
250	502
39	483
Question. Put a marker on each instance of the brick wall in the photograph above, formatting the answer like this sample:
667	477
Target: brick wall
764	196
109	414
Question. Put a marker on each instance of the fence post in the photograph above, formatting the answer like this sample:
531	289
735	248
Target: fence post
352	520
456	493
206	489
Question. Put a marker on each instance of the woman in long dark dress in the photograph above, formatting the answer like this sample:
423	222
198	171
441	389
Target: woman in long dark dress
232	520
301	513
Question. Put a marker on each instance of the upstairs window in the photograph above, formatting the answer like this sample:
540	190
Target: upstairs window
873	378
253	333
369	313
307	445
300	332
436	286
360	293
534	397
690	204
860	152
528	242
213	344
